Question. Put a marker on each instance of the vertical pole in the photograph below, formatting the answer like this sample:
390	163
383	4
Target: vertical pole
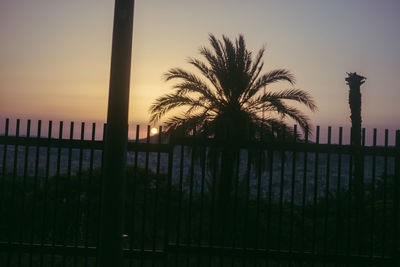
355	81
396	200
111	225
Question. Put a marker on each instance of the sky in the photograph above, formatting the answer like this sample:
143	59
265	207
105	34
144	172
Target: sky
55	55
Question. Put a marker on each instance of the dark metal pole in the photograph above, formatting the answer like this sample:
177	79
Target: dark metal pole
111	224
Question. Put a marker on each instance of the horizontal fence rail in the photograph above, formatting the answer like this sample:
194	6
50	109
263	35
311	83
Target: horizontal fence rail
193	202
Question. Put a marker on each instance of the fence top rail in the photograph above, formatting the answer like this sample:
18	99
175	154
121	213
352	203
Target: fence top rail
289	146
298	146
78	144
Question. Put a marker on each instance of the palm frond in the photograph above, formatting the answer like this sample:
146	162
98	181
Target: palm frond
168	102
267	79
256	68
205	70
209	73
216	44
291	94
298	95
300	118
182	125
178	73
191	84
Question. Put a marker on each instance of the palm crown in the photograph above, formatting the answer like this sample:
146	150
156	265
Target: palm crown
227	101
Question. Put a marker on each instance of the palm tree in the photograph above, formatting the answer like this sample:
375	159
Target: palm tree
226	101
355	81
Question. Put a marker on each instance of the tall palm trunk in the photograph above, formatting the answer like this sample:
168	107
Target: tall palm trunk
355	81
224	191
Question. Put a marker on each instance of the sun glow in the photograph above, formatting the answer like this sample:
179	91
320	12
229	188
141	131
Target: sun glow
154	130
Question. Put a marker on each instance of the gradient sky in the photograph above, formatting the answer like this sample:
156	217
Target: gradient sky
55	55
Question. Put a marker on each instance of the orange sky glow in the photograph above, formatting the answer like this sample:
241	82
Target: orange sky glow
55	56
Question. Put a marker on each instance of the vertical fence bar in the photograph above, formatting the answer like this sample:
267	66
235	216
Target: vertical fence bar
293	186
212	207
35	178
269	207
259	173
385	175
45	189
146	179
11	214
189	216
235	205
100	192
88	195
246	204
168	200
180	196
327	182
396	192
134	181
339	228
281	186
13	185
201	219
304	195
373	181
156	194
360	209
68	188
14	175
77	230
56	202
3	176
157	185
22	230
246	207
349	204
315	202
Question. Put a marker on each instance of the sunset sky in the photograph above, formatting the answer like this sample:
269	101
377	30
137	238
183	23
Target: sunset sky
55	55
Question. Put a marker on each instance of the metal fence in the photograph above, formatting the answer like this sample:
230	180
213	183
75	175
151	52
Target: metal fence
291	203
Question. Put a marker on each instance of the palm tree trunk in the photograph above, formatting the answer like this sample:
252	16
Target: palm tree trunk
355	81
224	191
355	107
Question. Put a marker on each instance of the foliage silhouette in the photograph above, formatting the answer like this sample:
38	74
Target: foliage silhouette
227	103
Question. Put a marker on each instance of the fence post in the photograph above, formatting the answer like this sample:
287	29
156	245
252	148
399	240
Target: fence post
111	225
168	201
395	249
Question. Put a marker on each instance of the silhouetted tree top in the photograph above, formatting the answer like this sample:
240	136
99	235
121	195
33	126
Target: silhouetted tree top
355	79
227	100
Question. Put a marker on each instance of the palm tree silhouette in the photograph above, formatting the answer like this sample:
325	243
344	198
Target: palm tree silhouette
227	101
354	82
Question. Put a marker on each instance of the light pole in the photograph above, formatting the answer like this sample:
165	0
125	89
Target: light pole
116	137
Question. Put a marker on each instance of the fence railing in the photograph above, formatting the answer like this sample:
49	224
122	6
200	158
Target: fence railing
290	202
